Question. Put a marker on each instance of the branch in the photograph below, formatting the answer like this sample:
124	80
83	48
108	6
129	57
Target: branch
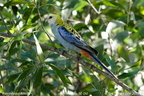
90	66
93	7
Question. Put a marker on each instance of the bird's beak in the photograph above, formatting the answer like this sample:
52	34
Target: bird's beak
46	20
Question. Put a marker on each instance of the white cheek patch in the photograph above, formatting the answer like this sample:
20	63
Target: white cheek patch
51	21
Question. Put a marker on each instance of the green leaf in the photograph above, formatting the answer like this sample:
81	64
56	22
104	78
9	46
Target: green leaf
139	24
15	2
80	26
28	55
38	78
65	16
35	18
112	91
137	64
39	49
114	24
18	37
138	3
50	71
121	36
123	53
62	62
111	62
113	13
64	79
12	77
99	42
85	78
27	14
12	49
80	5
129	74
28	27
69	3
13	46
25	64
106	2
25	73
116	4
68	6
2	90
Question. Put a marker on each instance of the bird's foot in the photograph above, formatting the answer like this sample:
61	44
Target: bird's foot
78	56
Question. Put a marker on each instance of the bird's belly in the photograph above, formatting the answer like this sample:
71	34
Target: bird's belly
66	44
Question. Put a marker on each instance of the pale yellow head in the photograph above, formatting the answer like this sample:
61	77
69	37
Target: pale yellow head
54	19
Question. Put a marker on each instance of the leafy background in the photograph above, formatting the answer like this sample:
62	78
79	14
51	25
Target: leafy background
116	31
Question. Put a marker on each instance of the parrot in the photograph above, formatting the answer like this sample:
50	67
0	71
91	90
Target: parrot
72	40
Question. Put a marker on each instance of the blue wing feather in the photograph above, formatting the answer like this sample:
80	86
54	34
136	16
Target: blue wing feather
75	40
70	37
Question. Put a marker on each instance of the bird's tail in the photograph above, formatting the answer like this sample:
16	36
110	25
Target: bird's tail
101	64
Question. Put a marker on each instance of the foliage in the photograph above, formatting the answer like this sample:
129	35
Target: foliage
117	33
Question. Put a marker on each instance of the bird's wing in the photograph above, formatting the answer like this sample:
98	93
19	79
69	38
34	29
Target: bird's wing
75	39
71	37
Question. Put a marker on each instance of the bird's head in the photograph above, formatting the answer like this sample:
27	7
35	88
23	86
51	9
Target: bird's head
54	19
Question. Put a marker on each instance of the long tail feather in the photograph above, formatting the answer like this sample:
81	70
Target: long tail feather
101	64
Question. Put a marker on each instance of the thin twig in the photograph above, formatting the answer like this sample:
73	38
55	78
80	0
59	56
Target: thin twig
93	7
44	28
90	66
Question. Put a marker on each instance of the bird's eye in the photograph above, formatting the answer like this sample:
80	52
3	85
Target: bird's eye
50	17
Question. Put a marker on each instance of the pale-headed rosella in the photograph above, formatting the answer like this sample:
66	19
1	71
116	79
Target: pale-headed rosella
71	39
